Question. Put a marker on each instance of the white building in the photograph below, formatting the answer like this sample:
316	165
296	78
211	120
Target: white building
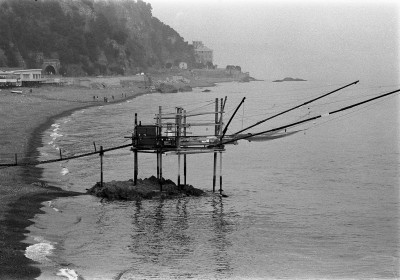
29	76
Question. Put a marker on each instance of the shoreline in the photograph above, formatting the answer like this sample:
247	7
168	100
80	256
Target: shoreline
23	199
13	263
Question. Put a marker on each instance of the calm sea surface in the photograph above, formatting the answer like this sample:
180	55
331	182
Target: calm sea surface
321	203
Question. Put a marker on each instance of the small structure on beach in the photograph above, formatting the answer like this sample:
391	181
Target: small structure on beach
9	79
25	77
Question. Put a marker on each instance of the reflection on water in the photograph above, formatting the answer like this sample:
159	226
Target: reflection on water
220	241
173	238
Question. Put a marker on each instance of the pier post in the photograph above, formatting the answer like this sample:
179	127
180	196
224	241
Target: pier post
16	159
215	153
220	172
160	171
214	170
135	153
184	156
101	166
135	166
158	142
178	140
179	170
158	165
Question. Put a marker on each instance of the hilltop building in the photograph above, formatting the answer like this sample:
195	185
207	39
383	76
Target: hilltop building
202	53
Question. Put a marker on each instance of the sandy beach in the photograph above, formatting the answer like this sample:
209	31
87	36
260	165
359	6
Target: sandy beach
24	117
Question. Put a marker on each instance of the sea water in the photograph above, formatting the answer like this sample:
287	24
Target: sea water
321	203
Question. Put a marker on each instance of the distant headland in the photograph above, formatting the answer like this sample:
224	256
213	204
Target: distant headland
289	79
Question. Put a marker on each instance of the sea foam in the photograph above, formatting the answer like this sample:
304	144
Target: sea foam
69	273
39	251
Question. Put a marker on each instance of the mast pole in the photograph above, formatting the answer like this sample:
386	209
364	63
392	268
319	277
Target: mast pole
229	122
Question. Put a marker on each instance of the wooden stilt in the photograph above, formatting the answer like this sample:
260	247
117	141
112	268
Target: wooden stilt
184	170
215	153
161	172
220	173
178	140
214	170
158	165
135	166
179	170
101	166
135	153
184	156
159	145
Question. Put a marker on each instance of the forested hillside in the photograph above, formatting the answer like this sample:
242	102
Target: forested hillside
88	37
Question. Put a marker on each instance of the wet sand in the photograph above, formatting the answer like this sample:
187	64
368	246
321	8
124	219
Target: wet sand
23	119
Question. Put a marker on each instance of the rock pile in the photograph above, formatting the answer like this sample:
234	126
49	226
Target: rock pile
144	189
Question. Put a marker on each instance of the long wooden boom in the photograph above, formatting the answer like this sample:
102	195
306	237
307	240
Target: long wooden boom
298	106
309	119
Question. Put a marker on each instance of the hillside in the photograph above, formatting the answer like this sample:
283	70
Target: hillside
89	37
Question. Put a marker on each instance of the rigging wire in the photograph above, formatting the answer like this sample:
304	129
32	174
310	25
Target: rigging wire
358	110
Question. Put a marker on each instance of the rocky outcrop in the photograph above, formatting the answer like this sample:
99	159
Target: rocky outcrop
166	88
289	79
185	88
144	189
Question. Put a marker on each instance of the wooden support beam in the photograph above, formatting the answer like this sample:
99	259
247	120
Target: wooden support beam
215	153
101	166
135	153
173	115
178	140
158	165
179	170
184	156
135	167
161	172
159	132
214	170
220	173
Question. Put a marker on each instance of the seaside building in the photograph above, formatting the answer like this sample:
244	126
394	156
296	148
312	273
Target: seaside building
202	53
29	77
9	79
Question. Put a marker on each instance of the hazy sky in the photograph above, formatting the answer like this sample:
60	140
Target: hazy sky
333	41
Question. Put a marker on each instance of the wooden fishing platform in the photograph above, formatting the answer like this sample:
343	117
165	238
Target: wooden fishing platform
169	135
